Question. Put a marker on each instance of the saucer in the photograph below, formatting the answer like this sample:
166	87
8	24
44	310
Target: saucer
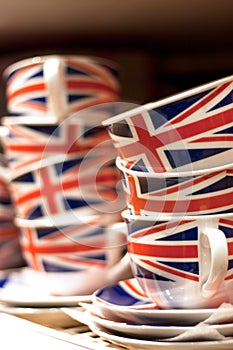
125	302
138	344
49	317
142	331
19	288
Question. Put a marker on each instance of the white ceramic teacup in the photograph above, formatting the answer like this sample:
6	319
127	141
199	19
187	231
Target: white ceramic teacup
191	130
59	85
199	192
75	257
30	140
183	261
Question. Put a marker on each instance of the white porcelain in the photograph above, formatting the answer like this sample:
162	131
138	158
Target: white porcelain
150	332
58	85
19	292
194	193
70	217
110	302
82	183
88	252
182	261
78	135
138	344
187	131
95	263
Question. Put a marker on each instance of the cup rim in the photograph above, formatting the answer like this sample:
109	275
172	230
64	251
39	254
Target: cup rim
174	217
29	120
167	174
47	161
67	219
40	59
95	116
167	100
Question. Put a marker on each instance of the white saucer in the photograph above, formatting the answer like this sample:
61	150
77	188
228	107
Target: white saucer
141	331
123	302
138	344
18	288
49	317
48	301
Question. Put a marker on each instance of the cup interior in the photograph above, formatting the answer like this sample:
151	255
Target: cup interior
166	101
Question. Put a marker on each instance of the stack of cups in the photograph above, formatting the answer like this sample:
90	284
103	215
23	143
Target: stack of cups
63	169
176	160
10	249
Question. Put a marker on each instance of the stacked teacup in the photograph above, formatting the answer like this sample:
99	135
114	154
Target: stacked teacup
176	160
64	176
10	251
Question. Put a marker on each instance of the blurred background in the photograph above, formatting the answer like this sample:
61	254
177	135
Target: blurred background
162	46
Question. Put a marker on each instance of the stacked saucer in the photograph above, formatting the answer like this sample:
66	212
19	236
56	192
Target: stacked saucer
175	157
124	315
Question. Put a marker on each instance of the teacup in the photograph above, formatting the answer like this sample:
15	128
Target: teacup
6	205
60	185
10	250
73	256
28	141
188	131
59	85
199	192
183	261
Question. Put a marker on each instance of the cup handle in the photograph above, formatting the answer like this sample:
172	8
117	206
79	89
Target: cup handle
217	270
54	74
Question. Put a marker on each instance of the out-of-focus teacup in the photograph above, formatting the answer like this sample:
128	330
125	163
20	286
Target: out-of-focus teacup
188	131
199	192
27	141
182	261
10	249
73	256
59	85
60	185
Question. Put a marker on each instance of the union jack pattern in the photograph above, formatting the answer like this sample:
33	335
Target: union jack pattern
181	135
68	248
87	83
75	183
129	292
28	144
202	194
168	251
132	288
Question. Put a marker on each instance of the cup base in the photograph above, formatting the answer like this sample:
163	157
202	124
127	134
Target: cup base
179	297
